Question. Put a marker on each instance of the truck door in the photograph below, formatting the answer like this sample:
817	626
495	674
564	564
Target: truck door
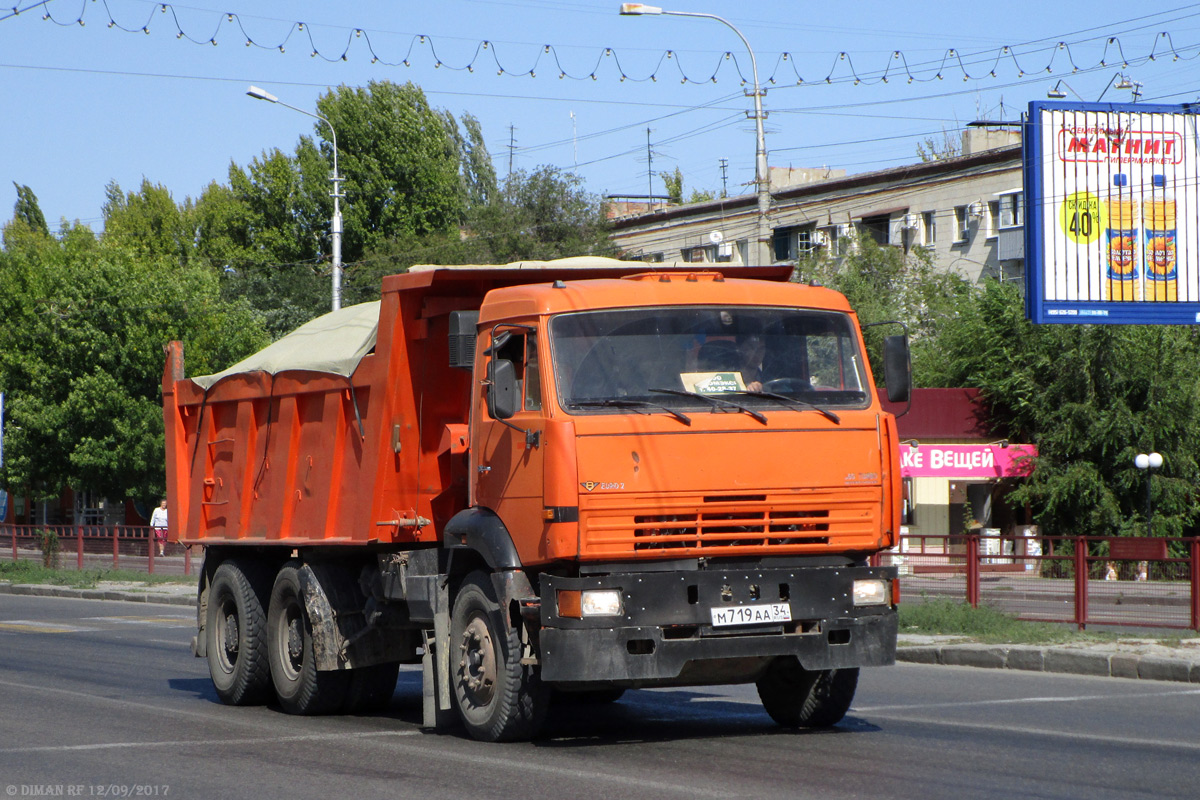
506	462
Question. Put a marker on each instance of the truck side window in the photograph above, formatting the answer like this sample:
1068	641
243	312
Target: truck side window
521	350
533	379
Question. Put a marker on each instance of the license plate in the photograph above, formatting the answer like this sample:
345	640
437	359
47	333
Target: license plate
751	615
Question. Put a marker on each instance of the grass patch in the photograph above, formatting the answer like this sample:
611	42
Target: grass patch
34	572
951	618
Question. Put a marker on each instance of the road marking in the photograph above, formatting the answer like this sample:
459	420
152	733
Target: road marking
183	621
29	626
312	737
1019	700
1122	741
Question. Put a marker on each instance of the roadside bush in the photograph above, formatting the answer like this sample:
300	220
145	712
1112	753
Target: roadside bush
51	549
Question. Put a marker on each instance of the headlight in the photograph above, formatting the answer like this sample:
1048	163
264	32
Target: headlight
601	602
870	593
589	603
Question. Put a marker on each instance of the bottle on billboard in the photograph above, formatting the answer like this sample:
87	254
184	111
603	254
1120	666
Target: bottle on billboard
1120	241
1162	272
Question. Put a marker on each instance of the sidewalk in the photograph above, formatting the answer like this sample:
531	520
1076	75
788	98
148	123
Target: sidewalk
176	594
1144	658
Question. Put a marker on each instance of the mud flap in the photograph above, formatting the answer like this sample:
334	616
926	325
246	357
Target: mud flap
436	712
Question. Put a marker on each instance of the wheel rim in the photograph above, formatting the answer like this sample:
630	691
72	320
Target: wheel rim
477	663
290	641
227	635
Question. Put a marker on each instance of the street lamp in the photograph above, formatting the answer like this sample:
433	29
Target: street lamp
1148	462
762	179
335	227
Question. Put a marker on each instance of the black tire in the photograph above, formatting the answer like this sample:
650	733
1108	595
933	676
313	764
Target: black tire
235	630
800	698
301	689
371	688
497	698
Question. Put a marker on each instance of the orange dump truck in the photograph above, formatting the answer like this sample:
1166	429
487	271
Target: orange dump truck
545	479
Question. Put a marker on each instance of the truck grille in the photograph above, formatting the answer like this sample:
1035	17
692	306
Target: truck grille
820	521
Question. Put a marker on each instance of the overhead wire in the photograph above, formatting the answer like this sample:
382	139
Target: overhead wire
952	59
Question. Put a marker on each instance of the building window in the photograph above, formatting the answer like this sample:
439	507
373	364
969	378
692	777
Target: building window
783	244
879	227
1012	210
962	229
795	242
993	218
708	254
928	228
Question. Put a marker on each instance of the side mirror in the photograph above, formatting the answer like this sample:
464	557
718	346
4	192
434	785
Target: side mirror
502	394
897	368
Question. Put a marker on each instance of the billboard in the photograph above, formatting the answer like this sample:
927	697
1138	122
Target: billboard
1112	229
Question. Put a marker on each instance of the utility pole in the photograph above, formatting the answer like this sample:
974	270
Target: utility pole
760	253
512	145
724	177
574	140
649	170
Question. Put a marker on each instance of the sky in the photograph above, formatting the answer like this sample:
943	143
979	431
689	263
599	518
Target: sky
159	94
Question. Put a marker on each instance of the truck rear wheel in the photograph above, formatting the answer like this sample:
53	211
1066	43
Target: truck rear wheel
301	689
235	628
498	698
800	698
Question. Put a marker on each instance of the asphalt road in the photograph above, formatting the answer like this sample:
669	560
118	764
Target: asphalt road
103	699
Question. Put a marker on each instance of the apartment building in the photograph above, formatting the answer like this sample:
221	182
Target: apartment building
967	211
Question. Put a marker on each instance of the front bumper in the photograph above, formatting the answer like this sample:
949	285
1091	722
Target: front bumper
665	637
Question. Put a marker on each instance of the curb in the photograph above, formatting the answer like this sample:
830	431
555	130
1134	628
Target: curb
1054	659
149	596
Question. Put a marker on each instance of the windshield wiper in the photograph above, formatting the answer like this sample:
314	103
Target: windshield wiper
627	402
783	398
716	402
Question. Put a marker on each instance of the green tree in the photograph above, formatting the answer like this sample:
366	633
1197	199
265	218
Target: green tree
885	284
82	328
265	235
1091	397
147	220
539	215
674	183
401	161
409	173
28	211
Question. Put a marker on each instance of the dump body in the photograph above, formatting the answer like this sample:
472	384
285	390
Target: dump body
574	434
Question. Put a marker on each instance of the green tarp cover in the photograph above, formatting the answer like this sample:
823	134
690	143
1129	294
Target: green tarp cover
333	344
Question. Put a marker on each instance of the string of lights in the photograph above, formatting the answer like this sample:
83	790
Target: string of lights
1042	57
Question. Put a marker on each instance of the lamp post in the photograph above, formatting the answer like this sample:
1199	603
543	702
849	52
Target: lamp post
1148	462
762	178
335	227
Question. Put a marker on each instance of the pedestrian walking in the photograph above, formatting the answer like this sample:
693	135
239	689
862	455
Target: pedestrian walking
158	521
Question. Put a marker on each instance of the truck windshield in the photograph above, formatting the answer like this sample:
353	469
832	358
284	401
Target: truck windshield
684	357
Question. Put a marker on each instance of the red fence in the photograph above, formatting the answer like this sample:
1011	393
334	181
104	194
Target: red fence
131	547
1085	580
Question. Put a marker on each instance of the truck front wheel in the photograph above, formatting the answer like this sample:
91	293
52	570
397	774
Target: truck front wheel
799	698
498	698
301	689
235	628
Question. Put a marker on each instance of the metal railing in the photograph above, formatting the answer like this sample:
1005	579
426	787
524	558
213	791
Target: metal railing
1085	580
130	547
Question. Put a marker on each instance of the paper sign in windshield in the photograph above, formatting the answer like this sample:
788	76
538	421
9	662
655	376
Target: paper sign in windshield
713	382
